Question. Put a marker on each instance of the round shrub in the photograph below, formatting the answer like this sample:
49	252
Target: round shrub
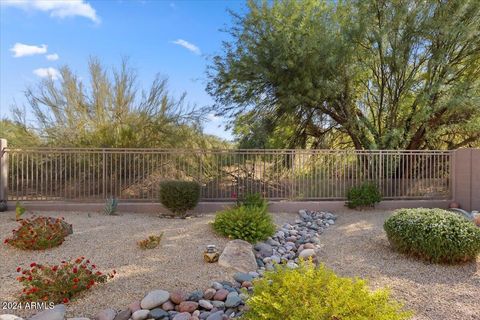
59	283
39	233
365	195
250	223
311	293
179	196
433	234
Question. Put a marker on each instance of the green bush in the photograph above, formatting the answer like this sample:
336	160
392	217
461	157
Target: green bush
365	195
433	234
316	293
179	196
251	224
252	200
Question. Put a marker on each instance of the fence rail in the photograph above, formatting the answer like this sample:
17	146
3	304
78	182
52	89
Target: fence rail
134	174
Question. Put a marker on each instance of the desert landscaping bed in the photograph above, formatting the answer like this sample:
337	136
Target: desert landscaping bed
355	246
110	243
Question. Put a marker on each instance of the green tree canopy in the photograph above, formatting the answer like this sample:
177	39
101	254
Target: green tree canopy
110	110
364	74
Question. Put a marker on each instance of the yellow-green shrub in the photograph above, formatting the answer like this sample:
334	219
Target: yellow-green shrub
316	293
249	223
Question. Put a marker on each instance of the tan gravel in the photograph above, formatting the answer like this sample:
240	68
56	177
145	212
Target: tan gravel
354	246
110	243
357	246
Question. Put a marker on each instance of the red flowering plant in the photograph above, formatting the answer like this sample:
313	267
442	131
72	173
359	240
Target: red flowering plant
59	283
39	233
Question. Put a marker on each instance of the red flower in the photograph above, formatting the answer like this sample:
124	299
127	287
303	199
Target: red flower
33	264
5	241
93	266
19	269
29	278
76	280
54	268
65	300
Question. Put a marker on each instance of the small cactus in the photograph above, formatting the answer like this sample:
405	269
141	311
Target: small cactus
110	207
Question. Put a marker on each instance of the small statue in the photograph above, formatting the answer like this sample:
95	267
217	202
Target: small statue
211	254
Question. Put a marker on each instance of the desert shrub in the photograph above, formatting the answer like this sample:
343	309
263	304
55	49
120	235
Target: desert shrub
251	224
365	195
110	208
59	283
39	233
315	293
179	196
433	234
151	242
253	200
19	210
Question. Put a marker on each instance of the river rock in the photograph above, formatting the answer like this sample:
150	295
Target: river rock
188	306
158	314
233	300
123	315
140	314
241	277
182	316
205	304
209	293
221	295
154	299
177	297
56	313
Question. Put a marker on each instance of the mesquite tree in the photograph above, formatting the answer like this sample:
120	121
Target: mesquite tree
365	74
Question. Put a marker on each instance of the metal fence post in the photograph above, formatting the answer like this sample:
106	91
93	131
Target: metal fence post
104	175
3	172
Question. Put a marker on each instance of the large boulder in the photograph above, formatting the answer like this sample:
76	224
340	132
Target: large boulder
238	255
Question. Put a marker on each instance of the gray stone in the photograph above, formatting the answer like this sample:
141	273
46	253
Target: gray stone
158	313
9	317
264	249
154	299
238	255
182	316
216	316
307	253
233	300
123	315
217	285
195	295
140	314
205	304
218	304
56	313
241	277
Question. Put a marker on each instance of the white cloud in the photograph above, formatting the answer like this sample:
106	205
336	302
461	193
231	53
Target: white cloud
52	57
22	50
187	45
57	8
213	117
47	72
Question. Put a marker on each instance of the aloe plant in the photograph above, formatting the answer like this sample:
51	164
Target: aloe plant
110	207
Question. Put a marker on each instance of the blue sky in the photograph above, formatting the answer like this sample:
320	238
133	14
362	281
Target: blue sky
174	38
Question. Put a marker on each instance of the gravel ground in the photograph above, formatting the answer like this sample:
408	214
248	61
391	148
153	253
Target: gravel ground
357	246
354	246
110	243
